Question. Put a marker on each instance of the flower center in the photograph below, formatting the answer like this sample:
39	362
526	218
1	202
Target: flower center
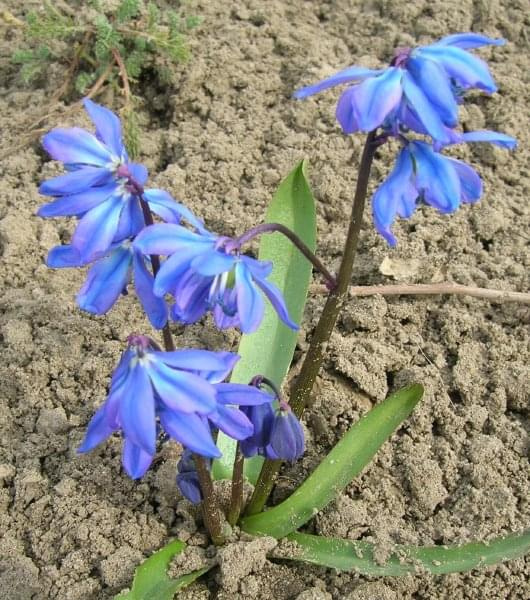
401	55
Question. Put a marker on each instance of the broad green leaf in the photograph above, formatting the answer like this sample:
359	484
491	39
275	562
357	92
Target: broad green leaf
269	350
151	581
345	461
358	556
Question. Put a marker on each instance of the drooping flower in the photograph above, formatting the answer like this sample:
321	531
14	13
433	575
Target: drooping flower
278	434
181	392
425	82
109	277
207	272
102	187
188	479
420	173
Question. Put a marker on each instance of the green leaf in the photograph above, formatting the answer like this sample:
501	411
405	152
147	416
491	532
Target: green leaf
269	351
358	556
151	581
345	461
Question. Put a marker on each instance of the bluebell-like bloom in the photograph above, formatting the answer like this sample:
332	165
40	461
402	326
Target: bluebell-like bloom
188	479
206	272
102	187
181	392
420	173
278	434
421	85
109	277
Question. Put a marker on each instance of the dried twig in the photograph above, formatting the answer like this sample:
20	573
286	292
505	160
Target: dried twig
433	289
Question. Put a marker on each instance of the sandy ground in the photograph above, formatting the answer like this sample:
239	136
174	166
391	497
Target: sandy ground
74	527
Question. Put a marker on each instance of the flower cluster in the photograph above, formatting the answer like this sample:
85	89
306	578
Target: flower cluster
418	93
179	394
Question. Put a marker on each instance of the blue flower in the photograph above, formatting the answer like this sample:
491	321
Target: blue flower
108	278
278	434
420	173
102	187
207	272
182	391
426	82
188	479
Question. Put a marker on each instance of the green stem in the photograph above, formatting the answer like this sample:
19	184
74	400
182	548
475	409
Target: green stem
303	387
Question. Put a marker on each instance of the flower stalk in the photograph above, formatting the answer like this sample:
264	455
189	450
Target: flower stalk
303	386
292	237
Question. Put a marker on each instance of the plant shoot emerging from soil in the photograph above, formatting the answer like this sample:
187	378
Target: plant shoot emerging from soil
182	272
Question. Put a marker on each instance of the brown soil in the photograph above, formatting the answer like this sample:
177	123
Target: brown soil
75	527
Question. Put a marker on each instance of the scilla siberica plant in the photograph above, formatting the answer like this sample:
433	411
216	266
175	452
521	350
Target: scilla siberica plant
245	427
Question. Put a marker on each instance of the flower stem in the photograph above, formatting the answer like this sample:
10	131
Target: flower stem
169	344
303	386
210	511
236	500
291	236
210	508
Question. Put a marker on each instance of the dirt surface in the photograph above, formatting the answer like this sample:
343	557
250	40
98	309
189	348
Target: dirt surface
75	527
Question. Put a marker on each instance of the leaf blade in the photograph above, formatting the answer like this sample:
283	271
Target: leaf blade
151	581
344	462
358	556
293	206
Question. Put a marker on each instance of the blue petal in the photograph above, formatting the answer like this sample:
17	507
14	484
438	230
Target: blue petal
212	263
191	297
188	484
492	137
155	307
345	112
171	211
131	220
63	256
215	376
137	410
167	238
436	178
287	437
470	182
99	429
467	70
376	97
191	431
240	394
395	196
260	269
469	40
97	228
435	84
198	360
350	74
276	299
250	306
76	145
233	422
105	282
172	269
262	417
108	126
182	391
77	204
135	460
424	110
138	172
75	181
121	371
